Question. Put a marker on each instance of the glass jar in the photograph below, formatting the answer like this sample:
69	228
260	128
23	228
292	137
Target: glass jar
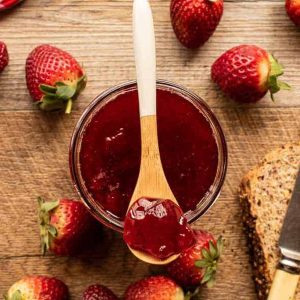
109	95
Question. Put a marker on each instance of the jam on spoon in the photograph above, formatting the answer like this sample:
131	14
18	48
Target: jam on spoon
158	228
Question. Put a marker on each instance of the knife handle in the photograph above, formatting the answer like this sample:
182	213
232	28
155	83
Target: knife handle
284	285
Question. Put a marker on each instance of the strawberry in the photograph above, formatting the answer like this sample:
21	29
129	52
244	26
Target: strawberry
198	264
154	288
38	288
293	10
54	78
98	292
66	226
194	21
246	73
3	56
6	4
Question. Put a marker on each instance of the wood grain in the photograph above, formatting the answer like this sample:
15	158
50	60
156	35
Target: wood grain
98	33
33	159
34	145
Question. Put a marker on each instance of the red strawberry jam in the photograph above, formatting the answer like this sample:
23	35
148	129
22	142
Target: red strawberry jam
110	151
158	228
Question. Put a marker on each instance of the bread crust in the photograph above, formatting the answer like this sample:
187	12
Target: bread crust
258	187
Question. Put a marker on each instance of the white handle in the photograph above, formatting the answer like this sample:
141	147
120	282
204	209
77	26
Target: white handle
284	286
145	56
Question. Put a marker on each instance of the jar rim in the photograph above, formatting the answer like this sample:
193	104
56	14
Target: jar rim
103	216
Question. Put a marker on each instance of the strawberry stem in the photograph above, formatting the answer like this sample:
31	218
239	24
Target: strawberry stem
69	106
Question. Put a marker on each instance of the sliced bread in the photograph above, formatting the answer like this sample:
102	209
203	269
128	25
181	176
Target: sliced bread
264	195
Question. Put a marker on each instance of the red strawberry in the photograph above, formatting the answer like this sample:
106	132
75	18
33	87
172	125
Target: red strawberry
3	56
246	73
198	264
54	78
293	10
98	292
194	21
65	226
6	4
38	288
154	288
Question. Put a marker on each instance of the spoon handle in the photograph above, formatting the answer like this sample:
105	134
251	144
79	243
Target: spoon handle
145	56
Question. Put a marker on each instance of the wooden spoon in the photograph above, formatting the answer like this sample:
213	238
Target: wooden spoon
152	182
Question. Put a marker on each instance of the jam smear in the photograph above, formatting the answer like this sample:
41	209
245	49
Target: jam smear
111	147
158	228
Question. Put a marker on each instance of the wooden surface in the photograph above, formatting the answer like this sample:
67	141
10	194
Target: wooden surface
34	145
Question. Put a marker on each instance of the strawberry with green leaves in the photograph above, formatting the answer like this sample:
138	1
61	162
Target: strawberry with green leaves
38	288
66	226
154	288
54	78
197	265
246	73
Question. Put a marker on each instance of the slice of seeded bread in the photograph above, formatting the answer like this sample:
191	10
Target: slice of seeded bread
264	195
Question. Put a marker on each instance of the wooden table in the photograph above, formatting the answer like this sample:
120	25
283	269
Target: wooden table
34	145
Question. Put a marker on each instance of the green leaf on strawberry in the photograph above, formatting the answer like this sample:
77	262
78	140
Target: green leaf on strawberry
274	84
198	264
61	95
209	262
47	231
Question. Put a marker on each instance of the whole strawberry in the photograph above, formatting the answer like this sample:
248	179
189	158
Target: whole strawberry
54	78
246	73
38	288
198	264
154	288
6	4
194	21
98	292
293	10
66	226
3	56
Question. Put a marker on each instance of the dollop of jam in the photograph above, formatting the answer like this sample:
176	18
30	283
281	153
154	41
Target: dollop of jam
158	228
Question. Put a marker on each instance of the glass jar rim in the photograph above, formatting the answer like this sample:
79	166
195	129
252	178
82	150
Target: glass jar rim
103	216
